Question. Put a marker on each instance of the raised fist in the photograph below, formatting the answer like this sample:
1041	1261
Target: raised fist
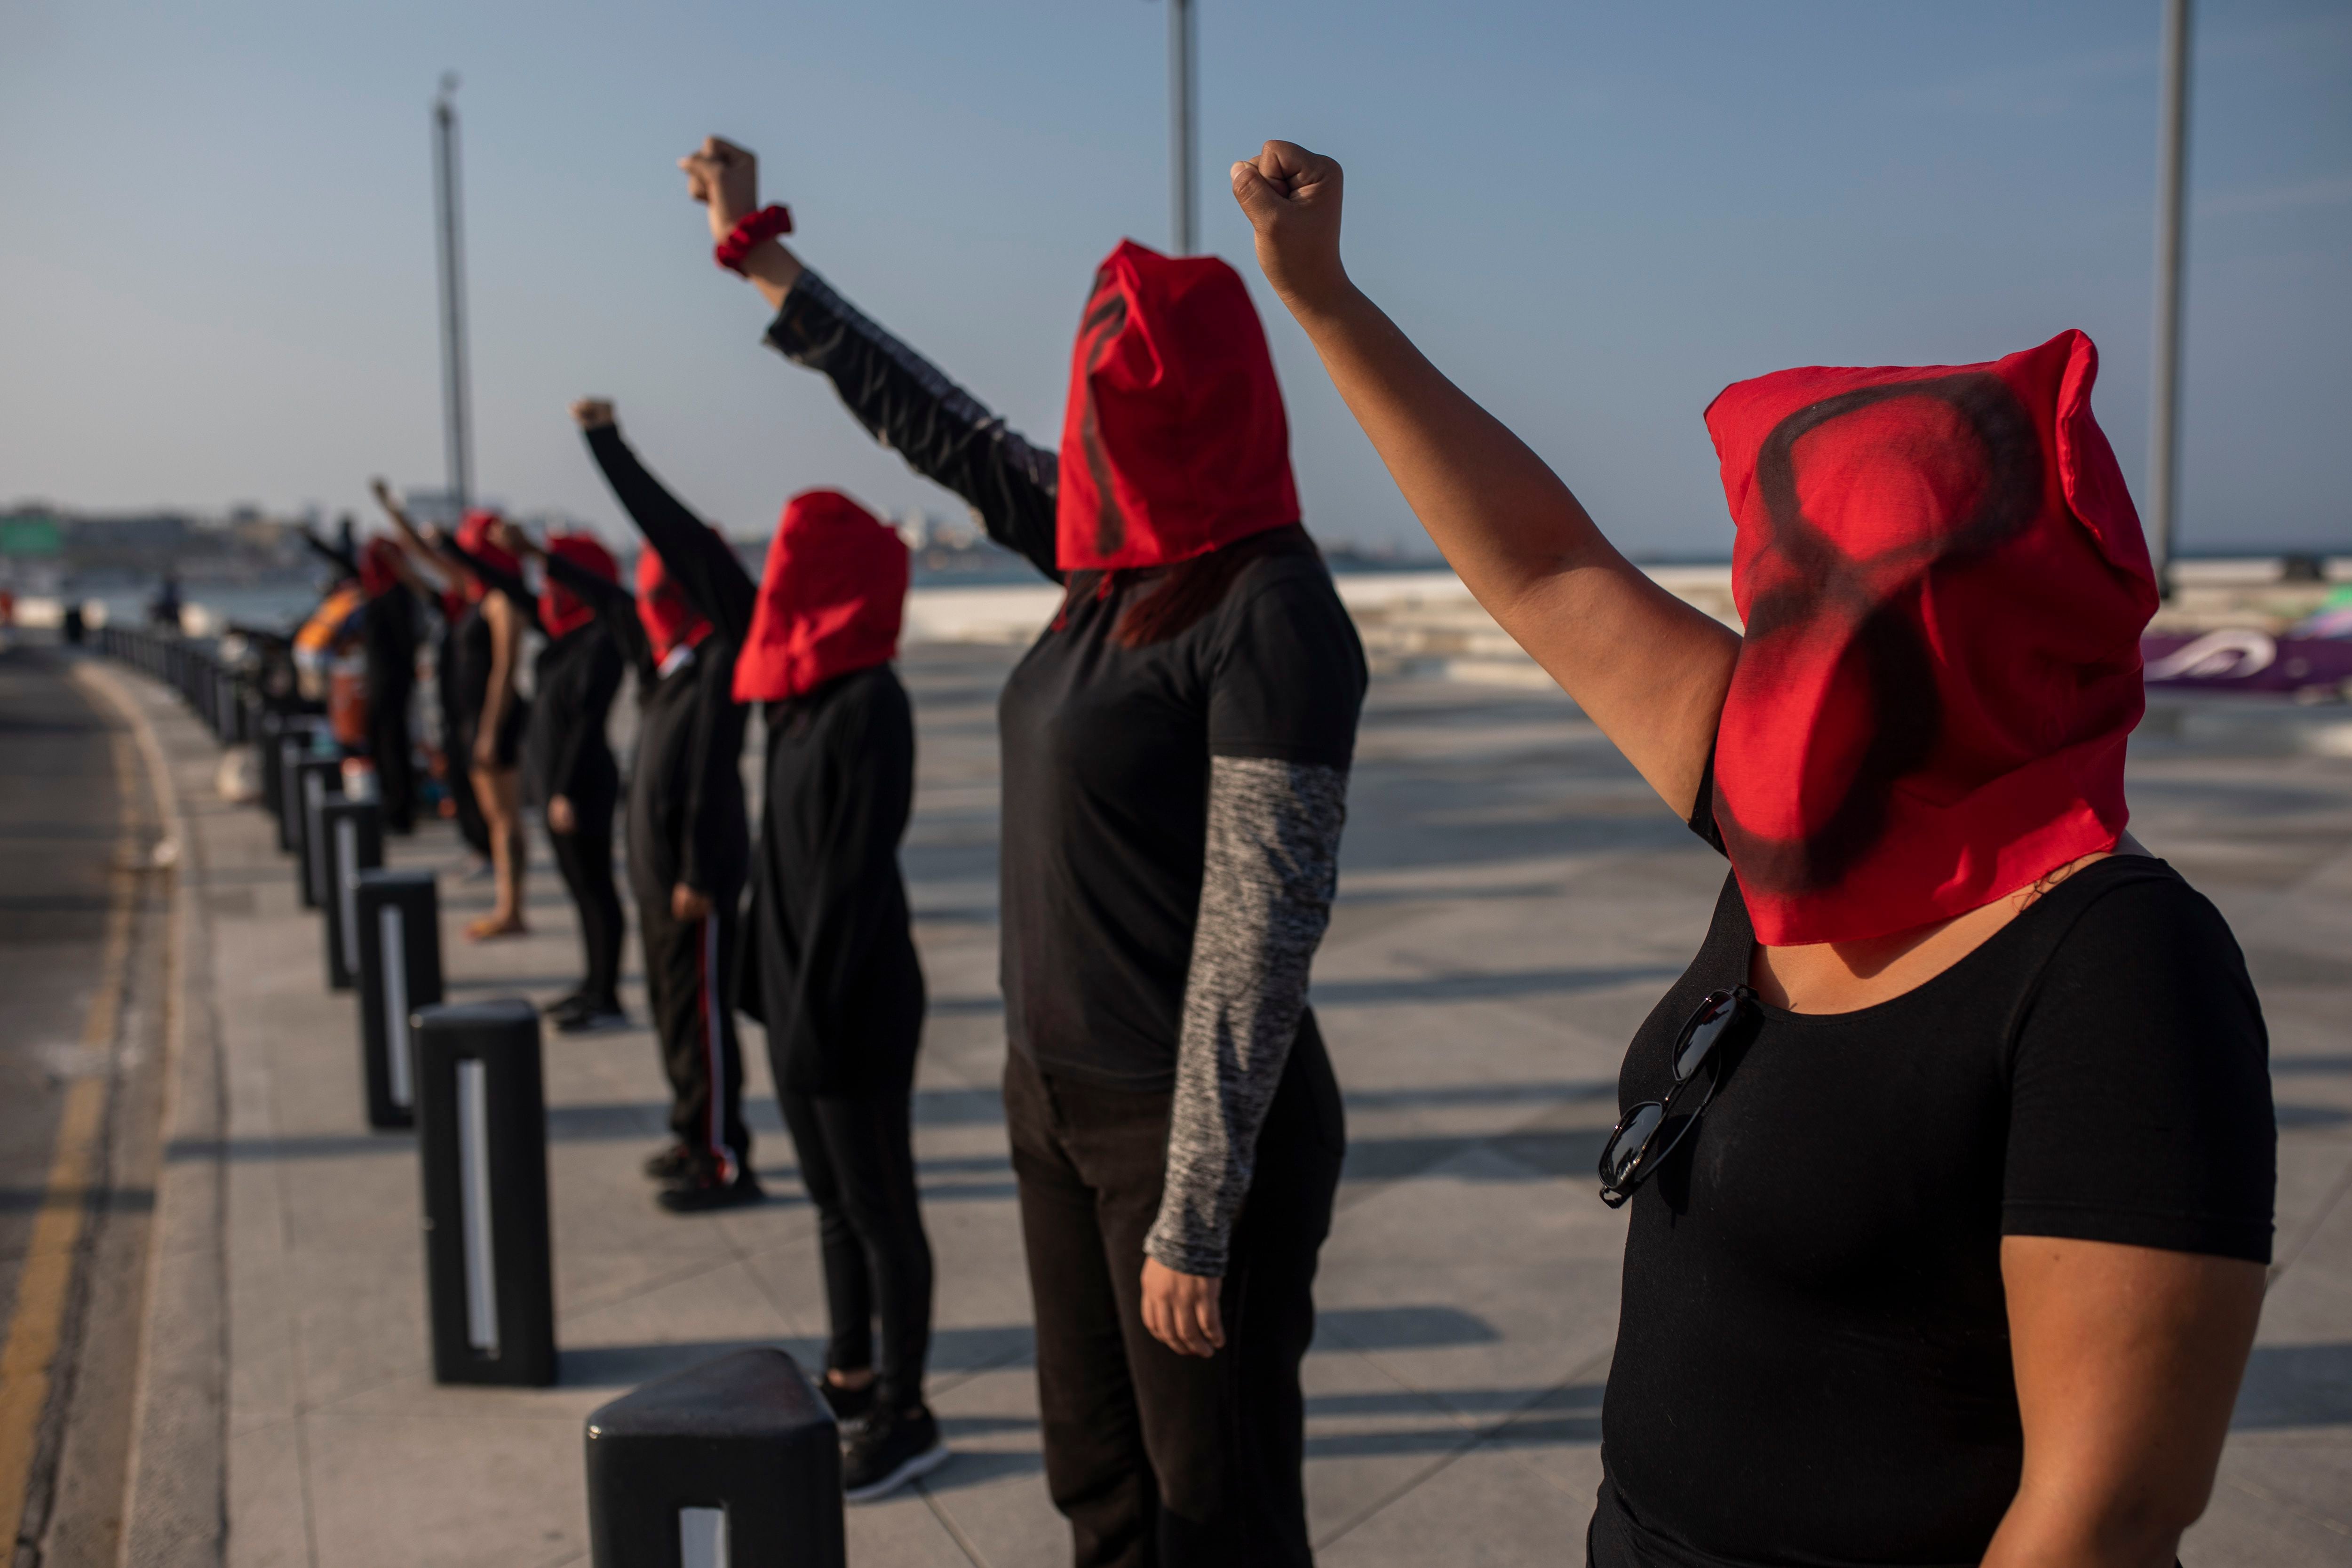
725	179
593	413
1291	197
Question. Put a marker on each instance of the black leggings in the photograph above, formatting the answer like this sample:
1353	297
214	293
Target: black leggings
584	857
393	751
1157	1458
857	1161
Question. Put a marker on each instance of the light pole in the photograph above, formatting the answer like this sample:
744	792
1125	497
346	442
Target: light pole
2171	185
1185	193
456	416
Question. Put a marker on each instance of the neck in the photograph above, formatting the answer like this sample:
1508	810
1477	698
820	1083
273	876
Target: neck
1842	976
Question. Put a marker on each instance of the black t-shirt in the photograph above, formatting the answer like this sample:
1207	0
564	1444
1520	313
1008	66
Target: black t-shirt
1106	785
1812	1359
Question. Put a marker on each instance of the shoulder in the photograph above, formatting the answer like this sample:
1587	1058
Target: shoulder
2133	918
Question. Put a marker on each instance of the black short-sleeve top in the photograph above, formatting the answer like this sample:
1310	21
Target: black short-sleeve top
1812	1363
1106	759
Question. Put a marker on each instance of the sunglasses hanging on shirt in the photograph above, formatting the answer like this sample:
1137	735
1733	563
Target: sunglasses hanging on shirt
1648	1132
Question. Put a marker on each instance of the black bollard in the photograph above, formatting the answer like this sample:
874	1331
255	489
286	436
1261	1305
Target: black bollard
734	1462
272	766
399	920
481	1141
317	781
293	745
354	843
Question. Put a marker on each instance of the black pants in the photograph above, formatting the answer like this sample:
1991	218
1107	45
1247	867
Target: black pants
858	1160
393	752
584	857
1161	1460
690	977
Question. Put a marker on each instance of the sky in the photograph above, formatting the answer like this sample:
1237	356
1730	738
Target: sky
217	259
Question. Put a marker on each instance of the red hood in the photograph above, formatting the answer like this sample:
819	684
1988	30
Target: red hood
1944	583
668	620
379	563
1173	441
561	611
831	599
474	539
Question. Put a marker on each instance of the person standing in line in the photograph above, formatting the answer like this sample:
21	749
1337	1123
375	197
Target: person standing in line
1951	1159
459	700
688	843
1175	754
569	766
389	634
832	972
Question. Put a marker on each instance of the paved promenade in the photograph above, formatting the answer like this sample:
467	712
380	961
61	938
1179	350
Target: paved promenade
1512	901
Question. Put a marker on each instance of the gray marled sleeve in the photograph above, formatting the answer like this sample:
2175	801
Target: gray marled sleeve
1265	897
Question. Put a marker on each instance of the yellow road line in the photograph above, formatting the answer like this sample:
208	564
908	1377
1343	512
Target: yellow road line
38	1323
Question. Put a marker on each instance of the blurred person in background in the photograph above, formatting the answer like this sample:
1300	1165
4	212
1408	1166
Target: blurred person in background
1950	1158
483	714
688	842
569	763
391	631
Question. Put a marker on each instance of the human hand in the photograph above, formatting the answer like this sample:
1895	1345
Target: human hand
383	493
559	814
1291	197
1182	1310
486	753
725	179
513	539
593	413
688	903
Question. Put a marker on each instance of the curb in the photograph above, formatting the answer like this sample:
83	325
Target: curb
175	1494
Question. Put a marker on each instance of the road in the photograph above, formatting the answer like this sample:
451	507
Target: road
81	949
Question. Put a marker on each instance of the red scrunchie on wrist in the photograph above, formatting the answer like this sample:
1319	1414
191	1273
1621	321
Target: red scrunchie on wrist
765	223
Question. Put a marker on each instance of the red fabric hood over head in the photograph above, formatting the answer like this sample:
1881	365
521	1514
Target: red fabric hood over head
1944	583
561	611
379	567
474	539
669	621
831	599
1173	441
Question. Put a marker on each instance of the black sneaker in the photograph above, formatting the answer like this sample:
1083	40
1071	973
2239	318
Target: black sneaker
891	1448
700	1189
592	1018
570	1002
670	1164
849	1405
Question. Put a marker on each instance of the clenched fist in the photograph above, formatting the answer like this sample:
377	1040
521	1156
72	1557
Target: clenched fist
1292	199
725	179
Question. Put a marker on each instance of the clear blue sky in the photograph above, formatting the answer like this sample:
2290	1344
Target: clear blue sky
216	253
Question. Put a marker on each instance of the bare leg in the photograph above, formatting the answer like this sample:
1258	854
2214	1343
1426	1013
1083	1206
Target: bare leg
501	791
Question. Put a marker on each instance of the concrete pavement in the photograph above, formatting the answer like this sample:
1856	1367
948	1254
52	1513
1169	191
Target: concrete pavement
1512	901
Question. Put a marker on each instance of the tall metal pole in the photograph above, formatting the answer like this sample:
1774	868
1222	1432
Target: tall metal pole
457	419
2171	184
1185	193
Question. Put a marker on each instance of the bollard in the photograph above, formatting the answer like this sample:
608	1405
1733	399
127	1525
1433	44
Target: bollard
317	781
734	1462
481	1143
399	920
354	831
273	768
293	745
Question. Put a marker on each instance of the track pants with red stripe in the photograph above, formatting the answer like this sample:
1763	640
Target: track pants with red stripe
690	982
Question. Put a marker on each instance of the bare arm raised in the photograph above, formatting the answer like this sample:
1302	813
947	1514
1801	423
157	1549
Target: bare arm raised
1649	668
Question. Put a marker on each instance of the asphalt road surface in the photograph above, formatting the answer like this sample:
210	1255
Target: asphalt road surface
81	949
